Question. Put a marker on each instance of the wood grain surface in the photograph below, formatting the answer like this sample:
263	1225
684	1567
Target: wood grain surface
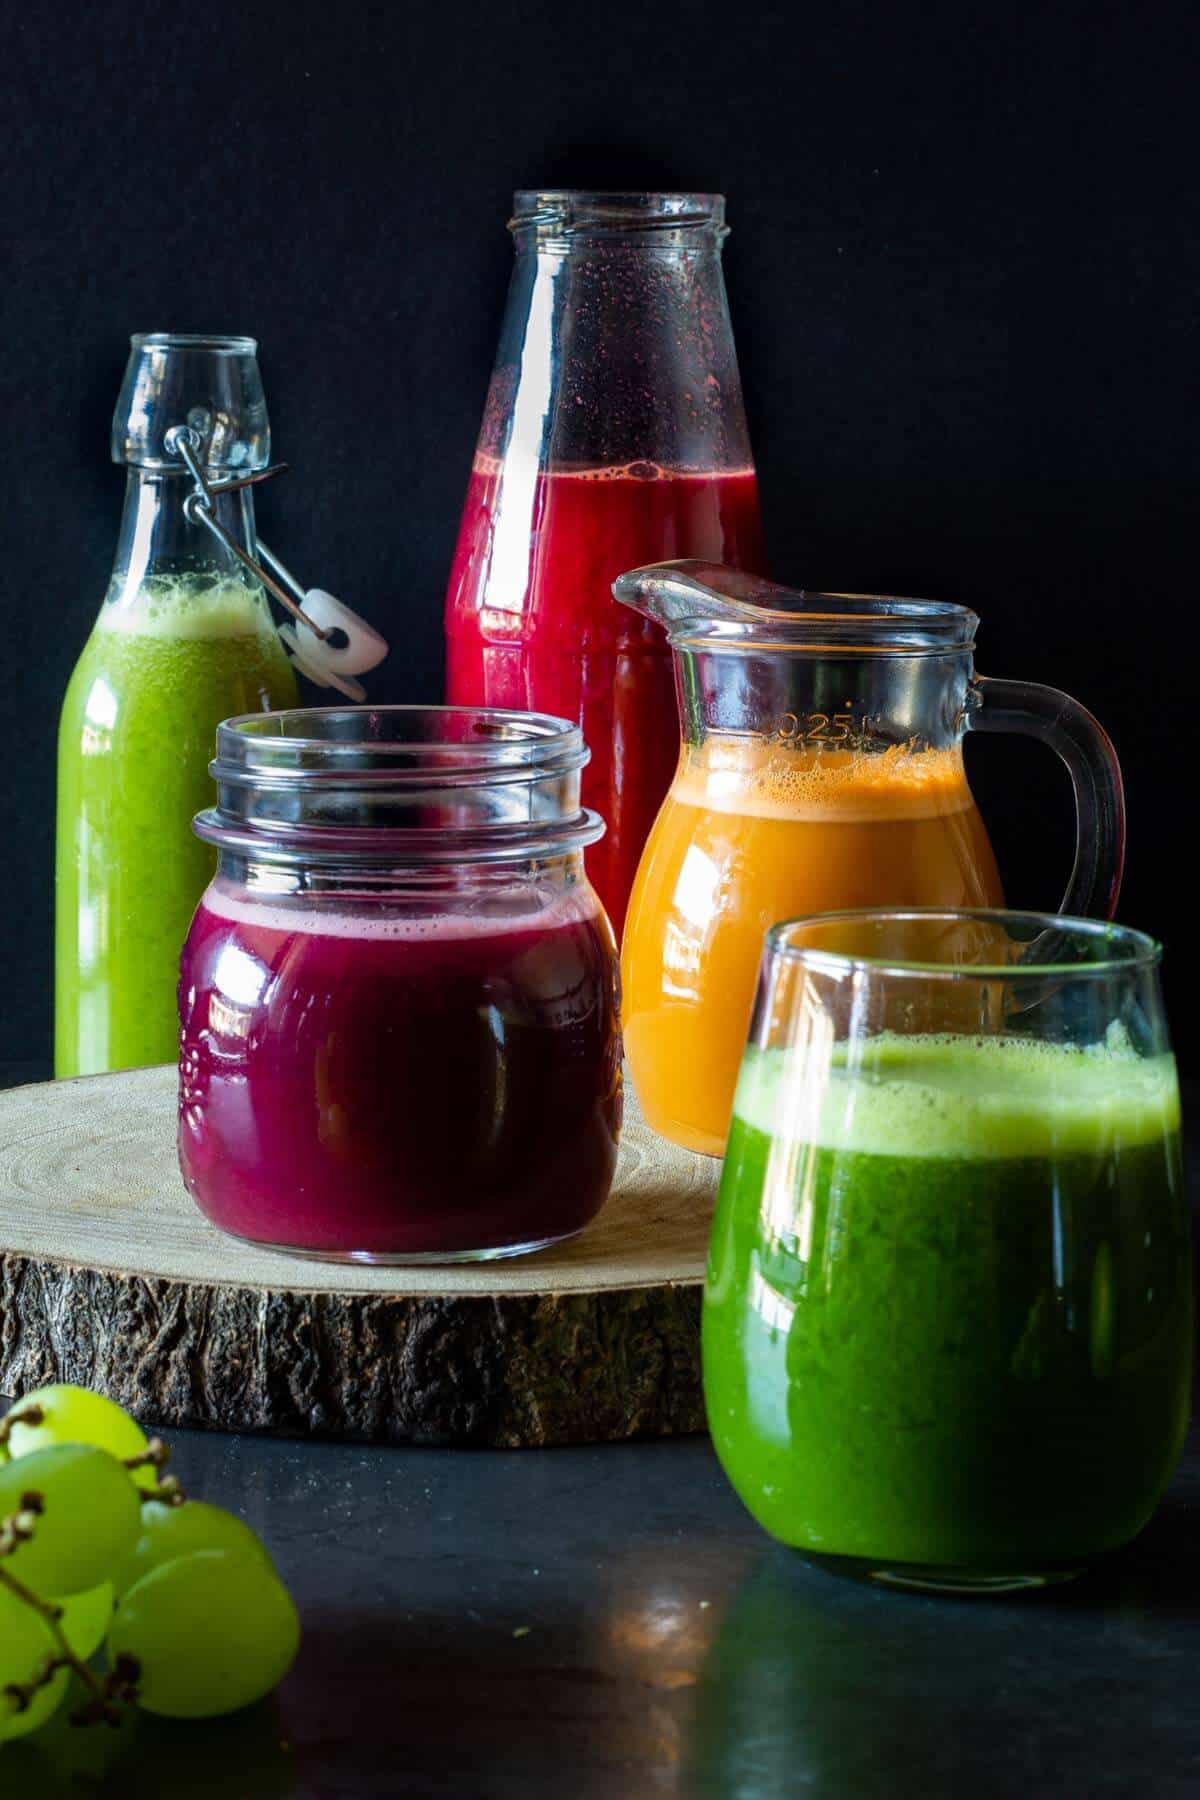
111	1277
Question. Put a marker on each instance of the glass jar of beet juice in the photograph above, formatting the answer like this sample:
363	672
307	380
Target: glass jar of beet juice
398	998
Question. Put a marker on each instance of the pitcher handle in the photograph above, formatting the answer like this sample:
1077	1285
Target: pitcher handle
1087	750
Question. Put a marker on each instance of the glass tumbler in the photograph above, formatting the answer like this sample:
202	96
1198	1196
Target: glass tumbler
948	1306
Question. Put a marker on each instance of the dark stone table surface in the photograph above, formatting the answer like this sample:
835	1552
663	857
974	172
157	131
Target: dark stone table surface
610	1623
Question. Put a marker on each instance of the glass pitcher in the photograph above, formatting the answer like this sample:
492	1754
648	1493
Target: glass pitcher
614	434
821	768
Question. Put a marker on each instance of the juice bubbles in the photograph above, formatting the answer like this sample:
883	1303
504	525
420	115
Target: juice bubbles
753	832
163	666
531	621
361	1081
948	1309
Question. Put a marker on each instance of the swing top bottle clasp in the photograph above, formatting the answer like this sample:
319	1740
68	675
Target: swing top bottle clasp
336	645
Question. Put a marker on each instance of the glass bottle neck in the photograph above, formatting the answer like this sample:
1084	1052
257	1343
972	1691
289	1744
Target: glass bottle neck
680	249
570	219
157	540
614	353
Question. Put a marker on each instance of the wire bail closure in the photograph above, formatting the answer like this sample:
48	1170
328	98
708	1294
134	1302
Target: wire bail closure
346	645
198	509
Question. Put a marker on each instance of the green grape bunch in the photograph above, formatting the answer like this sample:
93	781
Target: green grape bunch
109	1572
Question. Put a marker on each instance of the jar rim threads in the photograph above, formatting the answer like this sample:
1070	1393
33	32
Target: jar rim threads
402	784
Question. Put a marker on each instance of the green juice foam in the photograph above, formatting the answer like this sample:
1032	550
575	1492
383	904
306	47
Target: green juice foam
188	608
955	1096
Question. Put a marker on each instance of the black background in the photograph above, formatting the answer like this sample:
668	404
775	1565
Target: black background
963	278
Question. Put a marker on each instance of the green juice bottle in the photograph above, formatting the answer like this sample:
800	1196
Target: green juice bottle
184	639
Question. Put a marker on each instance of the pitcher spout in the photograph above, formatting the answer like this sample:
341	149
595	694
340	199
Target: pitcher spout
692	598
675	593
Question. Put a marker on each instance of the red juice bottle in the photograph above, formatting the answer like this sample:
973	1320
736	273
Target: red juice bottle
614	434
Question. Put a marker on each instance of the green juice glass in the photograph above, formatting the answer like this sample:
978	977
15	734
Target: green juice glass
947	1321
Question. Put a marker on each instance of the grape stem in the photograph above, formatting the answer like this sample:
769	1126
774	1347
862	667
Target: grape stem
16	1530
20	1415
168	1493
157	1455
23	1691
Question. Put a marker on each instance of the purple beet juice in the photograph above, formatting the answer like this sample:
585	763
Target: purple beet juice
360	1083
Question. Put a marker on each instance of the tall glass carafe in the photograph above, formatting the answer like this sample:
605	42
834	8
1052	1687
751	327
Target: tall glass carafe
183	640
821	768
614	434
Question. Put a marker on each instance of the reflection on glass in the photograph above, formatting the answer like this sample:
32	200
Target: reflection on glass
99	717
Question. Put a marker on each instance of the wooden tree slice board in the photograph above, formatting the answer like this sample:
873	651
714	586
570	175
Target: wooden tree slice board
110	1276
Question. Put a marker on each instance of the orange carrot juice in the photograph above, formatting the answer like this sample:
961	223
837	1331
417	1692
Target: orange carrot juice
752	833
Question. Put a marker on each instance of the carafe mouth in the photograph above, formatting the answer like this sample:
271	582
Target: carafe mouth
219	343
400	784
706	605
561	216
